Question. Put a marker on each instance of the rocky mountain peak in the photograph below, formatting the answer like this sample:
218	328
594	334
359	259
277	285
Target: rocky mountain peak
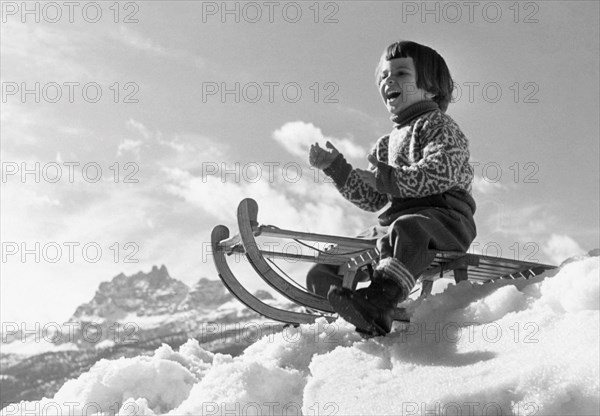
152	294
141	294
206	293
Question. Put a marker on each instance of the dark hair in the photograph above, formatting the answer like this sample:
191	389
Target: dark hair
433	74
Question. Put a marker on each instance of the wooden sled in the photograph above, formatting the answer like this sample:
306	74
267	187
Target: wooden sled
350	254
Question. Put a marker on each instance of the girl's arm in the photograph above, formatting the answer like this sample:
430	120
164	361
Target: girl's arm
353	187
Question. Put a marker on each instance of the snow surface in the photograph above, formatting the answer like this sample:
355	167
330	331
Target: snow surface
155	321
509	347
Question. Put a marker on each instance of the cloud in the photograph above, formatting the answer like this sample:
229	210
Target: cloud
21	42
560	247
297	136
18	126
129	145
526	223
138	127
187	151
526	231
486	187
281	203
53	52
138	41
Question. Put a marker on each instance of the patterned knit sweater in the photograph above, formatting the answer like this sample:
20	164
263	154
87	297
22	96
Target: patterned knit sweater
426	154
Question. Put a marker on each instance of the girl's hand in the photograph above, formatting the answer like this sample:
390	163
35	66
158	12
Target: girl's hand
321	158
372	160
368	177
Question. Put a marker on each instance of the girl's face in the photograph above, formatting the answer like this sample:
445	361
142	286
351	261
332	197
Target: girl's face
398	85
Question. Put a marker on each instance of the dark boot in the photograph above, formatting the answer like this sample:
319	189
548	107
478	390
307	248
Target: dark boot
370	309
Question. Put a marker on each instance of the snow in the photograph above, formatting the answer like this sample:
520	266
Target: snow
105	344
509	347
90	318
233	304
153	321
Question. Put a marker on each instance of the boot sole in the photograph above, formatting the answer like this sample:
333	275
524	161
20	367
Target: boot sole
341	302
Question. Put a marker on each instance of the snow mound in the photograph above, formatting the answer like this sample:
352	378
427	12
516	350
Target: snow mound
525	347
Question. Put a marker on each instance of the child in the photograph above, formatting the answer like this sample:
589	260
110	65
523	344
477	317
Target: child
422	168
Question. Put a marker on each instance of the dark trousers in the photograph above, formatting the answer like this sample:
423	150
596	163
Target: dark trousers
409	239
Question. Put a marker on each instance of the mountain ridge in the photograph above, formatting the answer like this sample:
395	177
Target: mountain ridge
150	294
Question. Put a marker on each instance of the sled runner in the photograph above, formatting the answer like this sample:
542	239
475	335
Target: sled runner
263	244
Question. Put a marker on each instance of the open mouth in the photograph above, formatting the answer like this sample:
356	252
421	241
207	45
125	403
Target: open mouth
392	96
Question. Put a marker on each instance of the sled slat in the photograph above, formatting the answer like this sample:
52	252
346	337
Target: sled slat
266	230
323	259
230	242
459	262
498	261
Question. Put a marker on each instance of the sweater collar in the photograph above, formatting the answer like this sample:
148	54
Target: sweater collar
408	114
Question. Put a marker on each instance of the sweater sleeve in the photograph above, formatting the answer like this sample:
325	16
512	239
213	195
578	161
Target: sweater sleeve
353	188
443	165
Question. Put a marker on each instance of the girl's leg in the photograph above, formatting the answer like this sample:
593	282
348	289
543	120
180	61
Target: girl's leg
405	254
412	237
321	277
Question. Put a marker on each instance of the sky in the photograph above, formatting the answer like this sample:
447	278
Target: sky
129	130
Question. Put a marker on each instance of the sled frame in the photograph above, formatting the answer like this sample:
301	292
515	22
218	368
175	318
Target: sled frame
350	254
